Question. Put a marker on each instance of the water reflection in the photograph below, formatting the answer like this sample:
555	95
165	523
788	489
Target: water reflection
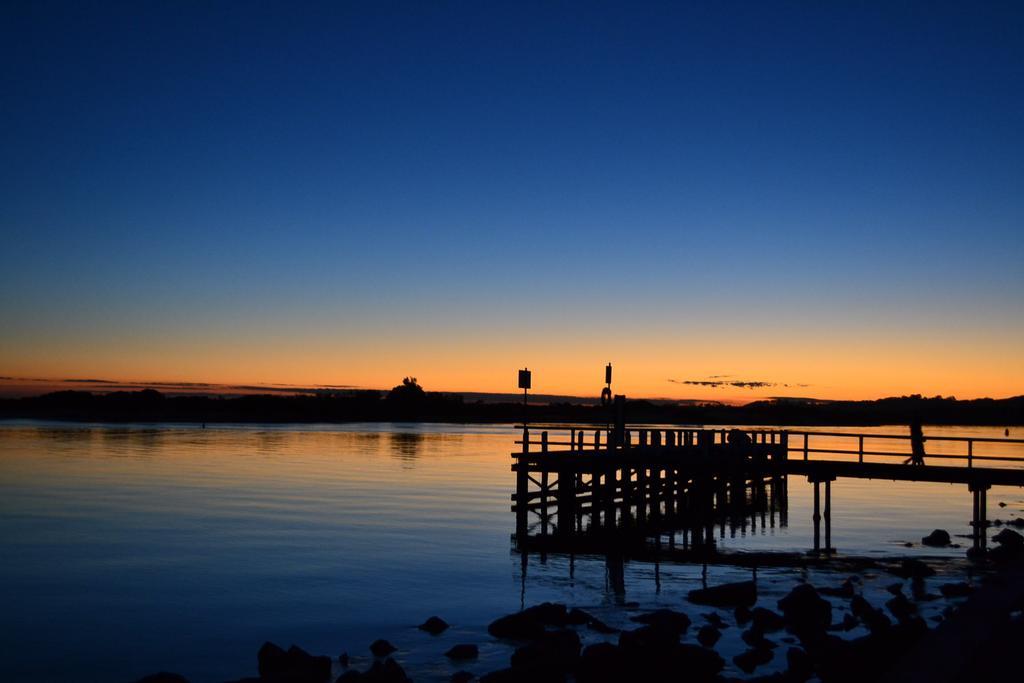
405	446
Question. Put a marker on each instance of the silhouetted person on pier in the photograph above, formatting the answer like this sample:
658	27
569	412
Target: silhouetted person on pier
739	439
916	444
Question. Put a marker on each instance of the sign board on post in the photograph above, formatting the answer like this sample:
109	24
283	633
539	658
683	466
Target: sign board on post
524	379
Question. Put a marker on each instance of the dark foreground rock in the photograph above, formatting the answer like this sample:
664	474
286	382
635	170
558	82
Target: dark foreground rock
163	677
294	665
872	617
956	590
601	663
864	659
386	671
726	595
901	608
753	658
667	618
554	653
381	648
463	651
801	667
529	623
578	617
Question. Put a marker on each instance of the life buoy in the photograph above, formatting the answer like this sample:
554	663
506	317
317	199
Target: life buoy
606	397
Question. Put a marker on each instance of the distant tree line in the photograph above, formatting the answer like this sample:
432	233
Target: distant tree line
409	402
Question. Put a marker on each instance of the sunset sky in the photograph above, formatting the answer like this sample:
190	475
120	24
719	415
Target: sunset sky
827	198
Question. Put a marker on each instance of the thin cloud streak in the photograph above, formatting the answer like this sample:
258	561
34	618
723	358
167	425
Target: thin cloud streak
715	383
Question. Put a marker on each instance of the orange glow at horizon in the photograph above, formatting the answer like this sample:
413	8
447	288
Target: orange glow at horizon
827	368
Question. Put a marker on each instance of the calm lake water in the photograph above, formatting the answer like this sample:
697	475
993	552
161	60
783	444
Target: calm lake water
133	549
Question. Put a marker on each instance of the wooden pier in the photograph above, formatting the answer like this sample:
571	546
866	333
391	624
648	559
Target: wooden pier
586	488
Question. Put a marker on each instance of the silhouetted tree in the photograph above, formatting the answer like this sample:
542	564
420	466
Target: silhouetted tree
409	391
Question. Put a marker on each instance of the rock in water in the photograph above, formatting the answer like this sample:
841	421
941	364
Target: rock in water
901	608
550	613
382	648
845	590
766	620
753	658
1009	538
937	539
388	671
272	659
708	635
805	611
913	569
726	595
754	637
518	626
434	626
874	619
667	618
715	620
462	677
848	623
530	623
648	641
463	651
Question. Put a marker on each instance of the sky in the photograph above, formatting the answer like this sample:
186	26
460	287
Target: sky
824	199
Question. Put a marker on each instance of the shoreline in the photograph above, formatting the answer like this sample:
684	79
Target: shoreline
804	628
155	407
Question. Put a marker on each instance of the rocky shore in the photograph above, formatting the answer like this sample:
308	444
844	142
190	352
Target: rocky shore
832	633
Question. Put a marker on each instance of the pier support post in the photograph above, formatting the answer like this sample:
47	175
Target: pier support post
545	489
980	516
828	516
656	492
522	488
816	517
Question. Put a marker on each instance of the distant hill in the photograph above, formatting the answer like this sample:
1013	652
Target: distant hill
400	404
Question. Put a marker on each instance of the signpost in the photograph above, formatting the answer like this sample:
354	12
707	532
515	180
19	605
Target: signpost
524	384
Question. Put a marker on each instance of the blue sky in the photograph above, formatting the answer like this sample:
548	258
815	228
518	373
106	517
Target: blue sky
197	170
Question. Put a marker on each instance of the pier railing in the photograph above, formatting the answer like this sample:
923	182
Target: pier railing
798	444
867	447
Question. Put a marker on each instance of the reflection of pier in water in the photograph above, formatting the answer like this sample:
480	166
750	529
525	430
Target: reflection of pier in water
638	491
